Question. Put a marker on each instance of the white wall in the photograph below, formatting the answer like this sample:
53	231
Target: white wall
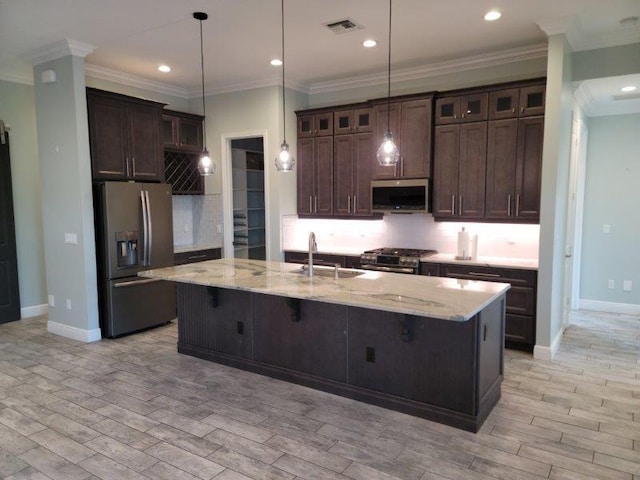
612	197
553	207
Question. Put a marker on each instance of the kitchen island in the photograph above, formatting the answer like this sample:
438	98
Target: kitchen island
431	347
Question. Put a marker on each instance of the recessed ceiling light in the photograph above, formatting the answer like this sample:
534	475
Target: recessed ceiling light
164	68
492	15
276	62
629	88
369	43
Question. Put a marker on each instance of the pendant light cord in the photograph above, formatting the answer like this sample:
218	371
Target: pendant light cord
204	114
389	76
284	113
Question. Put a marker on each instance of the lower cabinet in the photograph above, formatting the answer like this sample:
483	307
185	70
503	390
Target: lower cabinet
447	371
306	336
520	324
329	259
182	258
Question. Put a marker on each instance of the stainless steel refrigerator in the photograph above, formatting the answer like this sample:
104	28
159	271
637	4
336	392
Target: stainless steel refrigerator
134	232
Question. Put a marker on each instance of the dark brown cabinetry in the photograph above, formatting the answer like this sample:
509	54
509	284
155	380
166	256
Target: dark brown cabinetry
182	131
315	176
459	170
520	326
514	168
353	165
315	124
353	120
410	122
464	108
182	258
124	134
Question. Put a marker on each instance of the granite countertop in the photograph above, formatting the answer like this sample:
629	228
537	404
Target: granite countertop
504	262
444	298
193	248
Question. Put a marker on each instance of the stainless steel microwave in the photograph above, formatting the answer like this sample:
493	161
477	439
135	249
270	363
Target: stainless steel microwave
400	196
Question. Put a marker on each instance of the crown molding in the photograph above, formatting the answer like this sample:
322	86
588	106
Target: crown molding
60	49
16	78
440	68
238	87
103	73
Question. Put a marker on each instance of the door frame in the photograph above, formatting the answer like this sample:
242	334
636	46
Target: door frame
227	189
575	213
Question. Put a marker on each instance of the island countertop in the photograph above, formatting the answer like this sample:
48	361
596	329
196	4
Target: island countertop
443	298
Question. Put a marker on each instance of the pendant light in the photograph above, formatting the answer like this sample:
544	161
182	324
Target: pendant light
284	161
388	153
205	165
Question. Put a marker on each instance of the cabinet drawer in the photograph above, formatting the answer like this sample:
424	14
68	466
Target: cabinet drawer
430	269
516	277
183	258
318	258
519	329
521	300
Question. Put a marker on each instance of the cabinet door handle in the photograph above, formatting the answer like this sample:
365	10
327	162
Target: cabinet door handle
315	209
453	204
354	203
133	163
484	333
127	162
517	204
460	205
402	166
194	257
310	205
508	205
521	109
349	204
513	110
479	274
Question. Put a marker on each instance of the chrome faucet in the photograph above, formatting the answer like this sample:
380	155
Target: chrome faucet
313	247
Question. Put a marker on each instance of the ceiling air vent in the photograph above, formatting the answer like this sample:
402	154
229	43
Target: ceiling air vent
343	26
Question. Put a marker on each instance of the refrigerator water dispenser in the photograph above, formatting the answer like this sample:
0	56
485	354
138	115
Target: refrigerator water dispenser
127	248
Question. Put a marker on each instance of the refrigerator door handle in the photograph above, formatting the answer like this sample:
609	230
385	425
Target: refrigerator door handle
150	241
145	229
132	283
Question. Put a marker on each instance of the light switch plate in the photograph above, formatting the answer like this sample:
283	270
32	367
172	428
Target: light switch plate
627	285
606	228
71	238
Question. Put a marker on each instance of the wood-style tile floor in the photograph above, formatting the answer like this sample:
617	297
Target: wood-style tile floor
133	408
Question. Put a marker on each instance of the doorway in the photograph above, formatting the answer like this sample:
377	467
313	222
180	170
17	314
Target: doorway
248	198
9	291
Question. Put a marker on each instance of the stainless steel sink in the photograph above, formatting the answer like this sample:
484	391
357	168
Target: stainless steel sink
328	272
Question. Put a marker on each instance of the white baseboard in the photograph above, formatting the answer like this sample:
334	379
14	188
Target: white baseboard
74	333
547	353
34	311
609	307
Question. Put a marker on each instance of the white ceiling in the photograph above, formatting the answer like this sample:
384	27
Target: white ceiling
133	37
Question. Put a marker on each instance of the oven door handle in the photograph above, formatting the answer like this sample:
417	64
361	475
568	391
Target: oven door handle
381	268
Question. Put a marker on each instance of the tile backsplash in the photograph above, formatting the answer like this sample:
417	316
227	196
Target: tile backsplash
409	231
195	218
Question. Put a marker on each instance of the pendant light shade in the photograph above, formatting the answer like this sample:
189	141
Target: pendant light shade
284	161
205	164
388	153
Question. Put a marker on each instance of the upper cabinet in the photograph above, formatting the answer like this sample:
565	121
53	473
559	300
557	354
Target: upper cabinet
462	108
315	125
410	122
124	134
182	131
356	120
503	153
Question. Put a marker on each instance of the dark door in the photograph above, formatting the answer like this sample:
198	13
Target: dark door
473	165
108	136
364	167
415	145
445	170
343	181
305	173
385	119
501	168
9	294
145	144
529	167
323	154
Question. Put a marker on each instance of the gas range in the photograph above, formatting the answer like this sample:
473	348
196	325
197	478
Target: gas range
398	260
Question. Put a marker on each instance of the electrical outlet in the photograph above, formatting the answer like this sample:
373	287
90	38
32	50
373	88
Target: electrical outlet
186	227
606	228
627	285
218	228
52	301
611	284
68	304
